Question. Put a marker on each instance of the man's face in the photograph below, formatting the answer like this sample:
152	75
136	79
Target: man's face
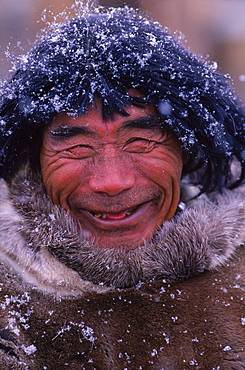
118	179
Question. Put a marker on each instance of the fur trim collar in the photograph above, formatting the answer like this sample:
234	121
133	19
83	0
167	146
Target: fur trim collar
41	241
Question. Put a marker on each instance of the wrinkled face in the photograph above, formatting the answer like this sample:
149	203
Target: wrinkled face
118	179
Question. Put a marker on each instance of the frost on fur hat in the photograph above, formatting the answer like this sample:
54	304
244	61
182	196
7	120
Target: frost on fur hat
102	55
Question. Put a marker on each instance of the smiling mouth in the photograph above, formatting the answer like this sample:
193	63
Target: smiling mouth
113	219
114	216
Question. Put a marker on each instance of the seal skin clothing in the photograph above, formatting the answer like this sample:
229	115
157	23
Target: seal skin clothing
182	306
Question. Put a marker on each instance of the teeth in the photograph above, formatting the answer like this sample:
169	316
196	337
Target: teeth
98	215
104	216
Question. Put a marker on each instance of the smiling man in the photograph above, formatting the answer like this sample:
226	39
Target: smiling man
121	203
120	179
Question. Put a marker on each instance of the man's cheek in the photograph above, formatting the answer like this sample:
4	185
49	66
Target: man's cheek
55	181
58	186
159	171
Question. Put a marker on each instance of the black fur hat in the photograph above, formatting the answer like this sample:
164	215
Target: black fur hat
104	54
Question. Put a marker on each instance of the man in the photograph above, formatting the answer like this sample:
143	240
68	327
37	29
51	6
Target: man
119	150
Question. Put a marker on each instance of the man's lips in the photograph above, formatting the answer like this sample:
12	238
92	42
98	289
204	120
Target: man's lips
110	216
112	220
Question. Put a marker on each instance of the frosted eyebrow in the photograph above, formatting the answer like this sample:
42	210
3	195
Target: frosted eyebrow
148	123
70	131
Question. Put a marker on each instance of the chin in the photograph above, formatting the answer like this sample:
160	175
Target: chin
123	244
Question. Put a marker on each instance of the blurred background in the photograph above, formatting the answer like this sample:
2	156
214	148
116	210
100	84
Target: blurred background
211	27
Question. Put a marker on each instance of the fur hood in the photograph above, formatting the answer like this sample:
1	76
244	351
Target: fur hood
165	321
41	241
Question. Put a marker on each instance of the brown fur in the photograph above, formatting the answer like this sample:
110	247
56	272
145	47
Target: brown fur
196	323
45	241
174	314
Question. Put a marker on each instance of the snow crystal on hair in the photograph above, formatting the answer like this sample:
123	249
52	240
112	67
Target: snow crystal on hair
103	55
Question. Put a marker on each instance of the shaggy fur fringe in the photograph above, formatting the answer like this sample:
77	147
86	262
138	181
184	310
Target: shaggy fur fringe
42	242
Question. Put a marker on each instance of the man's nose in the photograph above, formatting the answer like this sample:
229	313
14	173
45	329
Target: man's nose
111	175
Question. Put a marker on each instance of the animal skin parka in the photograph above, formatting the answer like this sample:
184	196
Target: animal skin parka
174	303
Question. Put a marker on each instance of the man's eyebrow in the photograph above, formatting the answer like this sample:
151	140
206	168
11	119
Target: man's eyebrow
69	131
148	123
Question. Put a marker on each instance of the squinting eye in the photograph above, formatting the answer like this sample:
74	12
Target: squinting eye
139	145
80	151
